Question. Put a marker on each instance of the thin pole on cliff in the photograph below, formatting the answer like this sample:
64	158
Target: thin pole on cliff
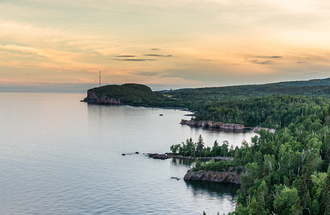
100	79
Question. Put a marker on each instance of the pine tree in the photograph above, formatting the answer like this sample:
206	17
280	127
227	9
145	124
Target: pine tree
200	145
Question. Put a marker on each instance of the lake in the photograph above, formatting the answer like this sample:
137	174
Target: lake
62	156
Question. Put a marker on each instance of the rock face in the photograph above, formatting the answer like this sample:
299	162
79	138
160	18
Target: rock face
93	97
210	124
231	176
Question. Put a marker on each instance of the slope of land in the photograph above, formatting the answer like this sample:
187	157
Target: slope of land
318	87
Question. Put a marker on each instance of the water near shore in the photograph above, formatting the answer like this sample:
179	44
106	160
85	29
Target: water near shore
61	156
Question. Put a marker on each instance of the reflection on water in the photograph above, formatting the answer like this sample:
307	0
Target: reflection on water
181	162
213	189
218	130
223	193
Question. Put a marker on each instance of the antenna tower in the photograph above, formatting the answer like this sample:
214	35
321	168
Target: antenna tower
99	78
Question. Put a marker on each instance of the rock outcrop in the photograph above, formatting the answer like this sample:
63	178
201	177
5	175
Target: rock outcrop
93	97
230	176
170	155
210	124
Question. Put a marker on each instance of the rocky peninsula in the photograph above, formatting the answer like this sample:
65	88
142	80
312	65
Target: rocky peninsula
171	155
233	175
129	94
210	124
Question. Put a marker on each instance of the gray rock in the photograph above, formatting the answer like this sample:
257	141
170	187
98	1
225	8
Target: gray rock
219	177
210	124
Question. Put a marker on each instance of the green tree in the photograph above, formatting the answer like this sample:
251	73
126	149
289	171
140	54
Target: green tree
200	145
175	148
286	201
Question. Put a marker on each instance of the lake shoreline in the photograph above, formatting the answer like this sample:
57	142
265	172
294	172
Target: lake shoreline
171	155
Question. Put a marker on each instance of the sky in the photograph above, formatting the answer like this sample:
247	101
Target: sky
62	45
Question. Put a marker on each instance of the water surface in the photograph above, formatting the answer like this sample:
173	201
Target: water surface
61	156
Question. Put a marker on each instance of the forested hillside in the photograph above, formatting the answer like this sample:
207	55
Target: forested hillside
250	91
287	172
270	111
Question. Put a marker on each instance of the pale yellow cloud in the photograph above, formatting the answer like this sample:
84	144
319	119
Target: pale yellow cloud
209	41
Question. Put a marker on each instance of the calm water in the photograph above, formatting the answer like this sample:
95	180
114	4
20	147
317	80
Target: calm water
61	156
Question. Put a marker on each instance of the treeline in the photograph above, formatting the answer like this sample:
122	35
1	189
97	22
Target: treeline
198	149
270	111
287	172
193	97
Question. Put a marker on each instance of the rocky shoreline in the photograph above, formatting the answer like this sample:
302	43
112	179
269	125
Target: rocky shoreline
93	97
170	155
231	176
224	126
210	124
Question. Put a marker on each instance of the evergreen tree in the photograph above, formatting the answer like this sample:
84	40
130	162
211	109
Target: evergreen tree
200	145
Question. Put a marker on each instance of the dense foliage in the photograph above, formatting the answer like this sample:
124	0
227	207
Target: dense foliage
270	111
193	97
287	172
191	149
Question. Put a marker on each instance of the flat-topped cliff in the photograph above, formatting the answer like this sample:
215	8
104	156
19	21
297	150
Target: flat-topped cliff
126	94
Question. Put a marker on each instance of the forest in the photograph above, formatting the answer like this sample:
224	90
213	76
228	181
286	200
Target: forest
197	96
287	172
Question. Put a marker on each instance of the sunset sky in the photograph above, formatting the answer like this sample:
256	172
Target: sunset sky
62	45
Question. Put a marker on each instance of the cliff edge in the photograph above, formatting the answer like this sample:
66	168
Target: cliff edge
93	97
